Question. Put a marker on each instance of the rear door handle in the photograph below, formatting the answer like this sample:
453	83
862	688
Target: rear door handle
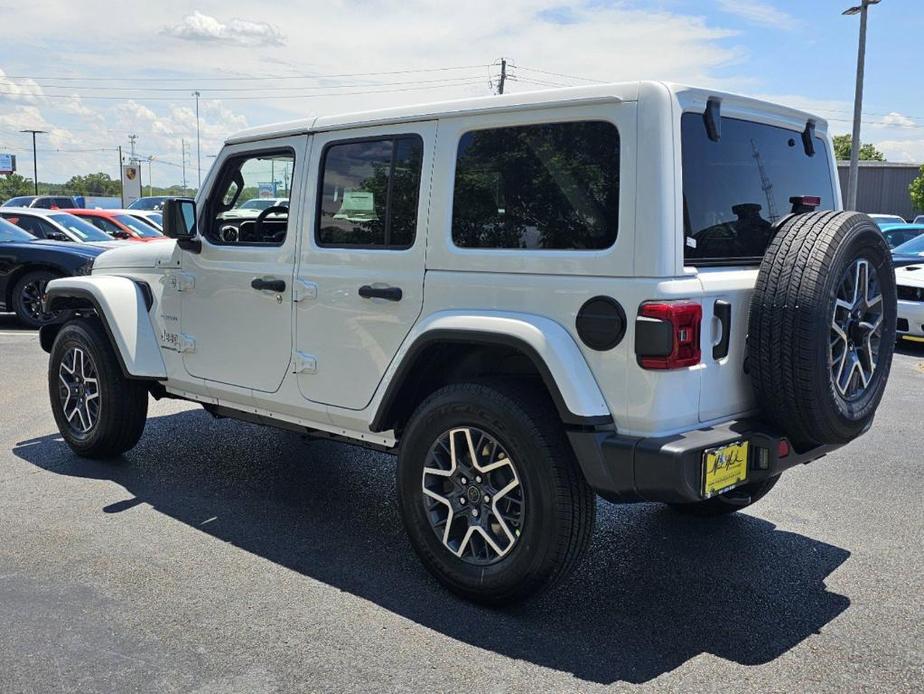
259	284
722	311
389	293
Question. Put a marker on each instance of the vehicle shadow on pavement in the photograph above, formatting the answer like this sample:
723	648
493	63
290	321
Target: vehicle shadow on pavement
655	590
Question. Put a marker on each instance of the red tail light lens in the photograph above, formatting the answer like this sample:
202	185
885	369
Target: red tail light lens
684	319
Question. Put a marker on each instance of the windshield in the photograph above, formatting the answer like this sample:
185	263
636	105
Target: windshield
139	227
259	204
914	246
79	229
154	203
735	189
19	202
10	233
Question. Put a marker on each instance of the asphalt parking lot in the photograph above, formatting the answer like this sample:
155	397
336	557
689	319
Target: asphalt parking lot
219	556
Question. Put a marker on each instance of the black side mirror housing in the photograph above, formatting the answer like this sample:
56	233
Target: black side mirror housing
180	223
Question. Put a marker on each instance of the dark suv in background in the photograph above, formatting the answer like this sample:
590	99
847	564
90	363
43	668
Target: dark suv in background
47	202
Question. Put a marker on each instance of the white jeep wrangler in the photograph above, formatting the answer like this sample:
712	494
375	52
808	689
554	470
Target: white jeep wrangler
641	290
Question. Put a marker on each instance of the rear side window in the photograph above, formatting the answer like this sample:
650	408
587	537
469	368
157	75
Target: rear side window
735	189
369	193
552	186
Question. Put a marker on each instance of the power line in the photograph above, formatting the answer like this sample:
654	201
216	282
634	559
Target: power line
558	74
353	85
243	79
471	82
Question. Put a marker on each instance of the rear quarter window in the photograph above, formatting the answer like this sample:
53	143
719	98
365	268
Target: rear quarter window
736	189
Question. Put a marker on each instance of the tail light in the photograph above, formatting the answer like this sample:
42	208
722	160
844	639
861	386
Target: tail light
667	334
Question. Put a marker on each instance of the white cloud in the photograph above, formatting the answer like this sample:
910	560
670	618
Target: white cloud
906	151
898	120
757	12
19	90
203	27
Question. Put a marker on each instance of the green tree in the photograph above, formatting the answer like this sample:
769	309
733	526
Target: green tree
843	144
96	184
13	185
917	191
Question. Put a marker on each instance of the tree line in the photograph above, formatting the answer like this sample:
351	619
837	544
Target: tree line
99	184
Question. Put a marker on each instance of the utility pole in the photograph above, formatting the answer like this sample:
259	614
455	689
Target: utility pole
198	141
503	76
34	156
131	142
150	174
183	148
121	187
854	178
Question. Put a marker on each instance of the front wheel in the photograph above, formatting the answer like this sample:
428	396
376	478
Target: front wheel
490	493
99	412
29	297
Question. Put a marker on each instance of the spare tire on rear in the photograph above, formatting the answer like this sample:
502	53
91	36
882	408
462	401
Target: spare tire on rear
822	327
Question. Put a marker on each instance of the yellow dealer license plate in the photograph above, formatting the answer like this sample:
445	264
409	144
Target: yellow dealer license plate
724	468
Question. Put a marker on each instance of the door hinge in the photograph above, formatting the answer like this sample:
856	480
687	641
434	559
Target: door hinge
185	343
304	289
305	363
181	281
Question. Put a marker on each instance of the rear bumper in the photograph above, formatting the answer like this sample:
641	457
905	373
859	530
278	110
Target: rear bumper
670	469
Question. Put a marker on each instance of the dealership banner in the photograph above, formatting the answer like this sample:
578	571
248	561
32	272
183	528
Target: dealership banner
7	163
131	183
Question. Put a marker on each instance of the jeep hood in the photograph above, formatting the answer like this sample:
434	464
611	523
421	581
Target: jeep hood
138	255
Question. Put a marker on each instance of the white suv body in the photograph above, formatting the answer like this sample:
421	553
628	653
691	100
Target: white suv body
299	330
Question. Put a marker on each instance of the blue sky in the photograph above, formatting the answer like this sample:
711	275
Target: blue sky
71	67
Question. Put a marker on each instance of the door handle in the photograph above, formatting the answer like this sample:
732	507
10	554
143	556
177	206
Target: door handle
722	311
278	286
389	293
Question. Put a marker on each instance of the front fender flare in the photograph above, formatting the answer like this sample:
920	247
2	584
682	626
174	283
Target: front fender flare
548	345
122	306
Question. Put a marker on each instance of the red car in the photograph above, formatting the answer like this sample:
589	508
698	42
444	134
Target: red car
118	224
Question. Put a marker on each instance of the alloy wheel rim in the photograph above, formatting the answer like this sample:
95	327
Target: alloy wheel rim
473	497
856	329
78	390
32	297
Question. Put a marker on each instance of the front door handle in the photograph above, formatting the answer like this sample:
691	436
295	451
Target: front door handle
278	286
389	293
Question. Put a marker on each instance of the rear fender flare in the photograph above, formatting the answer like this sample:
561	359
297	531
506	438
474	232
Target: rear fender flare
546	343
122	306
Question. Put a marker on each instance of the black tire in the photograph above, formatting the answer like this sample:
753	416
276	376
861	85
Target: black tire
793	352
729	502
558	506
122	403
27	291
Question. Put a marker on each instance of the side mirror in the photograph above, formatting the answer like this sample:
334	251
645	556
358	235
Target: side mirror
56	236
180	223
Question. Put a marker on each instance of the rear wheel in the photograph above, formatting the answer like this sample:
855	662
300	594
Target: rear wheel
99	412
490	494
29	297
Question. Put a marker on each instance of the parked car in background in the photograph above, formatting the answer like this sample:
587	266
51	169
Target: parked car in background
155	219
46	202
27	265
909	251
881	219
54	225
897	234
919	219
910	287
119	225
154	202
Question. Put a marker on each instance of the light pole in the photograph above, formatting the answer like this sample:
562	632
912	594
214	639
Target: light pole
198	143
853	179
34	156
